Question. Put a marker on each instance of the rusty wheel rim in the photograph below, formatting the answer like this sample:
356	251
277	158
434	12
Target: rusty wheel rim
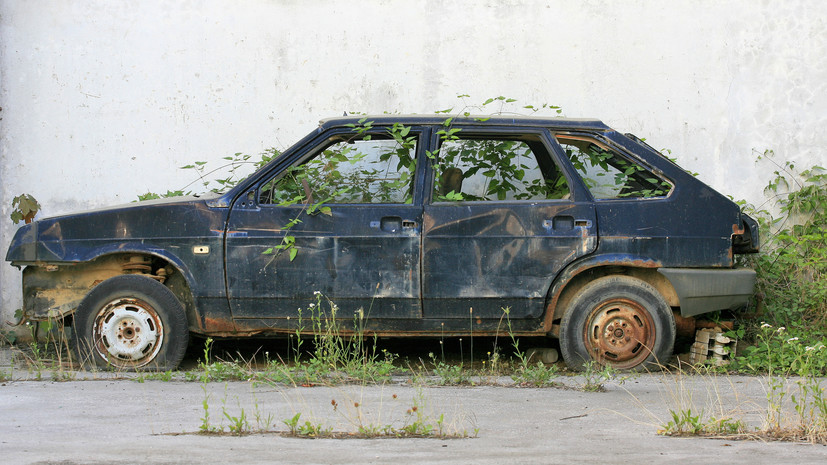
128	333
620	333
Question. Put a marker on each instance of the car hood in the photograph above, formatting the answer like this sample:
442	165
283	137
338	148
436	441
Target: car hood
72	237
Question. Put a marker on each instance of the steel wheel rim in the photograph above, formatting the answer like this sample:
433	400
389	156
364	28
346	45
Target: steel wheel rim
128	333
620	333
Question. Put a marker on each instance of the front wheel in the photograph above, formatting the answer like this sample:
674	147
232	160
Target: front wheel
130	322
618	321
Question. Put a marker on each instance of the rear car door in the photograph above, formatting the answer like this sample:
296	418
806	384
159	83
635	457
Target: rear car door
502	221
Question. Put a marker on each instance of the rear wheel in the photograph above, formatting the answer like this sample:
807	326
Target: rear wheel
618	321
130	322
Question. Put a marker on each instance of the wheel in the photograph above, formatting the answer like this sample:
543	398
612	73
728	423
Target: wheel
130	322
618	321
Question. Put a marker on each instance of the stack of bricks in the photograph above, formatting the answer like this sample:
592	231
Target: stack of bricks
712	346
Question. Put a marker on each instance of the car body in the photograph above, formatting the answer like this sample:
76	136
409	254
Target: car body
423	226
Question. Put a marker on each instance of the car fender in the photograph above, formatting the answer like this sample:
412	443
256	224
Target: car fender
586	269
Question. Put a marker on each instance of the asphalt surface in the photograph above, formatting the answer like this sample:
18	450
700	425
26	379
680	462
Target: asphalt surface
97	419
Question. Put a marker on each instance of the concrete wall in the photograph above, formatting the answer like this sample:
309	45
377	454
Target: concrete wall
103	100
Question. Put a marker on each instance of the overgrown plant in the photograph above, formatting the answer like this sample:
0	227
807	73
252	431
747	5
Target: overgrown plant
538	374
341	352
792	271
596	375
685	422
795	408
24	208
449	374
417	421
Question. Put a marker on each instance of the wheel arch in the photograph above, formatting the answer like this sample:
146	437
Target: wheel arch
577	275
54	290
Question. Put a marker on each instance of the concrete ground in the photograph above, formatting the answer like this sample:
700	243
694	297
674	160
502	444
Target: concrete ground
98	419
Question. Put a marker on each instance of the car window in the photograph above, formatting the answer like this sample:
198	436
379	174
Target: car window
608	174
493	168
349	168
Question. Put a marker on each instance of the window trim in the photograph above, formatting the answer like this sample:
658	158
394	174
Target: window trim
536	135
620	151
330	138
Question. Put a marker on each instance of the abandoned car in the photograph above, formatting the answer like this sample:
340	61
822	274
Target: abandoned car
415	225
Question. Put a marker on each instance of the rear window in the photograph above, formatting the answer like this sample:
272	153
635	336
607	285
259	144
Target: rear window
608	174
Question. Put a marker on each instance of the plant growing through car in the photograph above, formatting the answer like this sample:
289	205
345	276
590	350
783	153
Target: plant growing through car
24	208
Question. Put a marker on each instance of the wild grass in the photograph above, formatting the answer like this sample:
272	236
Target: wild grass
794	408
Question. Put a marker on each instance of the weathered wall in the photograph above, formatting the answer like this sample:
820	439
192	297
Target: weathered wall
103	100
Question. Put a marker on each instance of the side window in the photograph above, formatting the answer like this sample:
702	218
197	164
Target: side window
349	168
607	174
493	168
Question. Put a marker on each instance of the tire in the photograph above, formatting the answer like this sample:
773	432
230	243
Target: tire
128	323
618	321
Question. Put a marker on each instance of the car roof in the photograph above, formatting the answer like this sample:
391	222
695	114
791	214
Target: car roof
469	120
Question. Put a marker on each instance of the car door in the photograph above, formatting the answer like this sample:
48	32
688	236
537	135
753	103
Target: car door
502	221
340	224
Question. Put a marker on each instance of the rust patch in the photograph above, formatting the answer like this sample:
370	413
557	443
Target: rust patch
726	325
219	327
571	275
685	326
55	290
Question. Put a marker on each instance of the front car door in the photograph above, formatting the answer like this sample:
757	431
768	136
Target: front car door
339	223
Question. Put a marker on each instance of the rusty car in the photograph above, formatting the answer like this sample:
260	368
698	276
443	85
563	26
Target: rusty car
429	226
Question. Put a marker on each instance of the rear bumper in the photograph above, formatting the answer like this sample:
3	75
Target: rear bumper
708	290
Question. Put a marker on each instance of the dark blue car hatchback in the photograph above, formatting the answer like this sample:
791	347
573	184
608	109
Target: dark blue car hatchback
417	225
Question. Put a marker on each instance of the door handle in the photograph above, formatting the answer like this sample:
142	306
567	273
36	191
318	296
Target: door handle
566	223
562	223
393	224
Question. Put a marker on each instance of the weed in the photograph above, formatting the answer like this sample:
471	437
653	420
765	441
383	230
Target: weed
791	270
596	375
306	429
238	424
448	374
685	422
293	423
206	426
348	358
417	421
537	375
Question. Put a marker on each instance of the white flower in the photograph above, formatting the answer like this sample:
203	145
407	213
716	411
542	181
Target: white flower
792	339
781	329
312	305
809	349
317	293
766	325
